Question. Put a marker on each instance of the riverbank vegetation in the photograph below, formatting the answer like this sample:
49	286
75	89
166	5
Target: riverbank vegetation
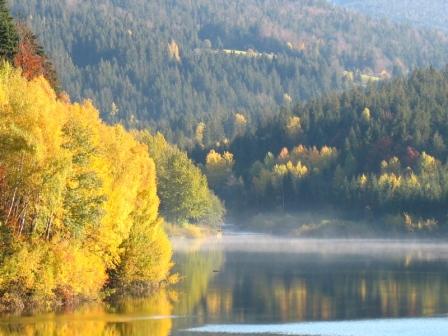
79	207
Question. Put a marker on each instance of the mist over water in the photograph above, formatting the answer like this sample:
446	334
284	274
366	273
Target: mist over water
249	284
340	287
262	243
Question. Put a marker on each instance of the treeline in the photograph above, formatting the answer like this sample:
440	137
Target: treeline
79	204
182	68
376	151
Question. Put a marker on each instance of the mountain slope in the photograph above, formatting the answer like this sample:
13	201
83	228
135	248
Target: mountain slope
170	65
431	14
376	151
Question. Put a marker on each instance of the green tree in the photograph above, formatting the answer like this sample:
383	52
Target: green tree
182	187
9	38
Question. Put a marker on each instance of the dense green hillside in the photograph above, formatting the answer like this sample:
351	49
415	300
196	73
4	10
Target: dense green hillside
380	150
431	13
170	65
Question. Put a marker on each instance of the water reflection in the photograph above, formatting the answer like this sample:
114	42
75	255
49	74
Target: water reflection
149	316
224	285
130	316
197	269
284	288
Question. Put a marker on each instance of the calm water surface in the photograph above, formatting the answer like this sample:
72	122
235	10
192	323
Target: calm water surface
258	285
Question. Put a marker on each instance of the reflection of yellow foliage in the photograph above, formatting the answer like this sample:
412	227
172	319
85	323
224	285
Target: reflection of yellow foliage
363	290
146	316
196	269
158	306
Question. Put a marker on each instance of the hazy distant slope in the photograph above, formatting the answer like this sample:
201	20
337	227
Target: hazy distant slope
430	13
169	64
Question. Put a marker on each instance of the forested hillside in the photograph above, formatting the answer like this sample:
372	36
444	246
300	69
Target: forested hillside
204	71
418	12
380	150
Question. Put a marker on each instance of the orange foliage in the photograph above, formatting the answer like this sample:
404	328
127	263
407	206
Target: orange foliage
30	58
26	58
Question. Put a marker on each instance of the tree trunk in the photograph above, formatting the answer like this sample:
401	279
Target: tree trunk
50	223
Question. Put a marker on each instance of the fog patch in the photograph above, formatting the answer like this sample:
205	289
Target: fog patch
259	243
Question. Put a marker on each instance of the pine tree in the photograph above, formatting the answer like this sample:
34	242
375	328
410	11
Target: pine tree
9	38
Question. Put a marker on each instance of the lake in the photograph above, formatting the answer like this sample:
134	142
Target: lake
258	285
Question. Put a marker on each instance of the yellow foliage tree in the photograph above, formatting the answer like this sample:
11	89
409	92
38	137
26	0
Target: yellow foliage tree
78	198
174	51
240	124
366	115
219	167
294	126
199	133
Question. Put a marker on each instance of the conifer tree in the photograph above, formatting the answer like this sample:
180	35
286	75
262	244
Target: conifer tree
9	38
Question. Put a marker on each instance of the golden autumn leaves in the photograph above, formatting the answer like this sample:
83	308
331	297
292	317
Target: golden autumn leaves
78	199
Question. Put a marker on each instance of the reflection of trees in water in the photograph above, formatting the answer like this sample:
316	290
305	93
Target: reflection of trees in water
197	268
264	287
158	306
49	324
256	287
130	316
